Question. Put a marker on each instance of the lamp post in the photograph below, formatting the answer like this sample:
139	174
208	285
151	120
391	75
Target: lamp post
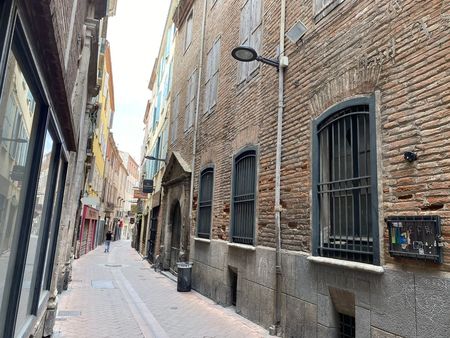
153	158
18	140
248	54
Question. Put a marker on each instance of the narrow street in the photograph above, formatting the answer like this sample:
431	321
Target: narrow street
119	295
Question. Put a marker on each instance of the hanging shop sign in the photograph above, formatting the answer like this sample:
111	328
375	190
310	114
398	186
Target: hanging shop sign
139	194
147	186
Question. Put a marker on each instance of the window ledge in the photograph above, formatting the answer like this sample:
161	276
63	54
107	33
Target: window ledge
347	264
204	240
242	246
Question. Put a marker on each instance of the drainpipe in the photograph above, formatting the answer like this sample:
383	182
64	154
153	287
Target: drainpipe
197	109
278	208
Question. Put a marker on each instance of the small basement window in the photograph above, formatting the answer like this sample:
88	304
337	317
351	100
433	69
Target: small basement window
346	326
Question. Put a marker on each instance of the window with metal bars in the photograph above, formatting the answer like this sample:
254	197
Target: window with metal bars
244	191
346	326
205	203
345	184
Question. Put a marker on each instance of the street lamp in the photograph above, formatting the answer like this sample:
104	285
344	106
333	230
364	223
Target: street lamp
18	140
248	54
153	158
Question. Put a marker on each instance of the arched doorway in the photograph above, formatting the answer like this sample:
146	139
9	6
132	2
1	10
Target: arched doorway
175	238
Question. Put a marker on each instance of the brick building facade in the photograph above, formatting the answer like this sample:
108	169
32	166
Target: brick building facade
366	88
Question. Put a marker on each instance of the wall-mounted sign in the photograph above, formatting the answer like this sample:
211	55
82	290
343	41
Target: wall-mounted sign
18	173
416	237
139	194
147	186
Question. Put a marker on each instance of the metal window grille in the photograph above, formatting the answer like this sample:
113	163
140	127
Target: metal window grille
244	190
344	186
205	203
346	326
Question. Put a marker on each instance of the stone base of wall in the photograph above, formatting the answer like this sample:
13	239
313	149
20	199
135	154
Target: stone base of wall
394	303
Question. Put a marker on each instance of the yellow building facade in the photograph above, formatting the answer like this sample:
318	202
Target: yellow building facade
104	117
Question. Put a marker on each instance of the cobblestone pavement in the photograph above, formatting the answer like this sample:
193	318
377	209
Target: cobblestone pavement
118	295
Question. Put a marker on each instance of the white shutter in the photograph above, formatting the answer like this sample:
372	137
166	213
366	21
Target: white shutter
255	34
8	121
174	129
245	37
193	102
208	80
187	106
188	36
215	75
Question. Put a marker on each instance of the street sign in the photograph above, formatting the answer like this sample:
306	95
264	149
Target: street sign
18	173
147	186
139	194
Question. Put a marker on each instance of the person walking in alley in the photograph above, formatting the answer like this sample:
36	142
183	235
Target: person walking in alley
108	240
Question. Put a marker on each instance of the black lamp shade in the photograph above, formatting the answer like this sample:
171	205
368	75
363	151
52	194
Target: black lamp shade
244	54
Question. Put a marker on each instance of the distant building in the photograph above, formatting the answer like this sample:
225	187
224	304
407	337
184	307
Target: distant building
156	140
130	200
115	188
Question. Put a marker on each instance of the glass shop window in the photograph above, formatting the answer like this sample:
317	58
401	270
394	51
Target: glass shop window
36	235
17	109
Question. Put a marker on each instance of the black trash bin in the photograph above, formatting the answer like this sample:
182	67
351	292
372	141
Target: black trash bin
184	276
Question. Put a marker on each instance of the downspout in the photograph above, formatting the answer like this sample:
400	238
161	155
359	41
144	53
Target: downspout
278	208
197	109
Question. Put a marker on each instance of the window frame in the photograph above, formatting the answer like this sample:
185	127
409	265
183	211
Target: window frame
191	101
248	149
365	100
212	4
17	41
206	170
52	184
324	10
210	104
189	30
174	118
250	68
8	13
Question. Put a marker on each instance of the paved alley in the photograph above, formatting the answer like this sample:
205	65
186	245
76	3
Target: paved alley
118	295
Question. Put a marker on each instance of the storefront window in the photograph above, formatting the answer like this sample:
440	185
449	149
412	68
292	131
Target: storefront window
17	109
26	296
57	203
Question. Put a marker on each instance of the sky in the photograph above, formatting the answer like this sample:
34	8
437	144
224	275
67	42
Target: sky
134	34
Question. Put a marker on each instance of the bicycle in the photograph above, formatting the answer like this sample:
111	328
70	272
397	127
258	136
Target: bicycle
157	264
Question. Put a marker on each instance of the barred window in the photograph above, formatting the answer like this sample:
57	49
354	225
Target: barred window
244	191
205	203
344	186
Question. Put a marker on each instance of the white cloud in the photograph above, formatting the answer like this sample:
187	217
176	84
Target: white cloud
135	36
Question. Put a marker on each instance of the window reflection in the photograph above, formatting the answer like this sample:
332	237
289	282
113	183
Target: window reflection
36	231
17	108
53	227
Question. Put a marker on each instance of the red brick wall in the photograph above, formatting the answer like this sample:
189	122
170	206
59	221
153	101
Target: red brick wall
184	64
398	48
